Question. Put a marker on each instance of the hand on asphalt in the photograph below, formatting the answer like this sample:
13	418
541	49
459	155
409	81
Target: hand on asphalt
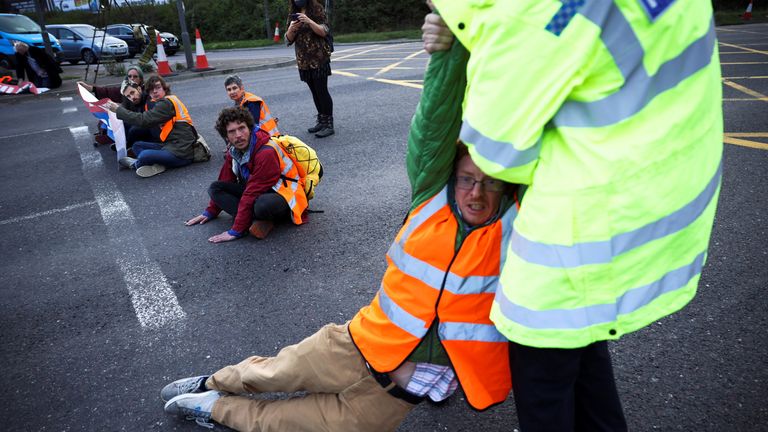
223	237
435	34
199	219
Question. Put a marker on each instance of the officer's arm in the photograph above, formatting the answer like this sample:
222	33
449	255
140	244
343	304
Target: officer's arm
520	73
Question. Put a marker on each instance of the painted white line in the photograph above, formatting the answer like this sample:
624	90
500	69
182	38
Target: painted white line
69	110
66	99
152	298
34	132
47	213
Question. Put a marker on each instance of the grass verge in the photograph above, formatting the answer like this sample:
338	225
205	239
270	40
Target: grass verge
733	17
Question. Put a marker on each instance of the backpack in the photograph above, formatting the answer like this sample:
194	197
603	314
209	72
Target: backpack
202	153
309	166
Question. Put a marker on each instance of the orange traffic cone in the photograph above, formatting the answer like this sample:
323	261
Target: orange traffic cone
202	60
163	68
748	13
277	32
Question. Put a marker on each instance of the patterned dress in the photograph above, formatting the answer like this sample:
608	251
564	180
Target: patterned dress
313	53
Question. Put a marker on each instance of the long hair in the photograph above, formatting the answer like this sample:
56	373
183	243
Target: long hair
313	9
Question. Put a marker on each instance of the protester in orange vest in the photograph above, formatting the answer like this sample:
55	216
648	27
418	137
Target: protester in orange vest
258	184
177	132
256	105
426	331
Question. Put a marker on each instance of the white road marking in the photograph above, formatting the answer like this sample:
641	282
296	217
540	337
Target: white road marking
35	132
47	213
153	300
69	110
66	99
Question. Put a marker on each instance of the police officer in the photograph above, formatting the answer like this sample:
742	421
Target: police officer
611	113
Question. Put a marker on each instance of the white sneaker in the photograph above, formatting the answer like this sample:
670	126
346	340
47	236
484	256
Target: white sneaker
194	406
183	386
149	170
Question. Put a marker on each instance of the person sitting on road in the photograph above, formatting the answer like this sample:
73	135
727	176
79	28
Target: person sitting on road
175	147
426	331
115	94
254	184
37	65
256	105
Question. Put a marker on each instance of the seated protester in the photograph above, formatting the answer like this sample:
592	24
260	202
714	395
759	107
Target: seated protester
256	105
426	331
37	65
115	93
251	185
135	99
175	147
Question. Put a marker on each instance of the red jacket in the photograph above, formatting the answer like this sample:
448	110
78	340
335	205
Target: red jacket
264	171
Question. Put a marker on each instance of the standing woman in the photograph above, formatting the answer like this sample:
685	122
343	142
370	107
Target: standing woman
307	30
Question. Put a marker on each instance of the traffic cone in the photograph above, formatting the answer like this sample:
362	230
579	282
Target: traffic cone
202	60
748	13
163	68
277	32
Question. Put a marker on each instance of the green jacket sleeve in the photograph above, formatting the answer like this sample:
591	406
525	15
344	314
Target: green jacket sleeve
161	113
436	123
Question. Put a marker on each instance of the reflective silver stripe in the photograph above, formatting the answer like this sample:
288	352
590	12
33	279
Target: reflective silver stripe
458	331
639	88
433	276
433	206
506	232
400	317
601	252
502	153
587	316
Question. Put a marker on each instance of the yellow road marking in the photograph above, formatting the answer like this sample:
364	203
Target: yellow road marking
738	31
396	64
744	48
746	77
746	90
742	63
747	134
730	138
344	73
395	82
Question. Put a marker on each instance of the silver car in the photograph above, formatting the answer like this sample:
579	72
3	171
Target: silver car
85	42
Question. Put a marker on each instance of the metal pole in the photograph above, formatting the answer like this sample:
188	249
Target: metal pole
266	19
185	35
43	32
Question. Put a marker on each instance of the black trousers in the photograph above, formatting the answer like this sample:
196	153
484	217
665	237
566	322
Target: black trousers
562	390
318	85
269	206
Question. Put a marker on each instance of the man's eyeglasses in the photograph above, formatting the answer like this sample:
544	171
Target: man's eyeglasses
489	184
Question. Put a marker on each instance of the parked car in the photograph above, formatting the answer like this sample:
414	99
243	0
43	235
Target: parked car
125	33
14	28
84	42
170	41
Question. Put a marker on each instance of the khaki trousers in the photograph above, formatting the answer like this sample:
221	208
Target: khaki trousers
342	394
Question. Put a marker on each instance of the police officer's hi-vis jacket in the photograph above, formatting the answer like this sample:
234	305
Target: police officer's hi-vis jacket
612	112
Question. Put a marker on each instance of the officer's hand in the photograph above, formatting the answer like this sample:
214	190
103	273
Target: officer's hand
199	219
223	237
436	34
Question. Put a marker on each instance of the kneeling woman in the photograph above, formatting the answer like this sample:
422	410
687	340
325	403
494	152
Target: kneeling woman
177	132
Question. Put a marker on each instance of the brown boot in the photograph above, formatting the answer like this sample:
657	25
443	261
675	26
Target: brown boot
327	129
261	228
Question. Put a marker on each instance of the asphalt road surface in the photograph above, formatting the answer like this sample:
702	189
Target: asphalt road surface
107	296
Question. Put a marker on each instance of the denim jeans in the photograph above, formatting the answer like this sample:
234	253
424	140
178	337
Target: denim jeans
149	153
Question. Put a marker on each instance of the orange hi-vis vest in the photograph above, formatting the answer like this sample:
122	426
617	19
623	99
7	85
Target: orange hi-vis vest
181	115
290	185
428	279
265	121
